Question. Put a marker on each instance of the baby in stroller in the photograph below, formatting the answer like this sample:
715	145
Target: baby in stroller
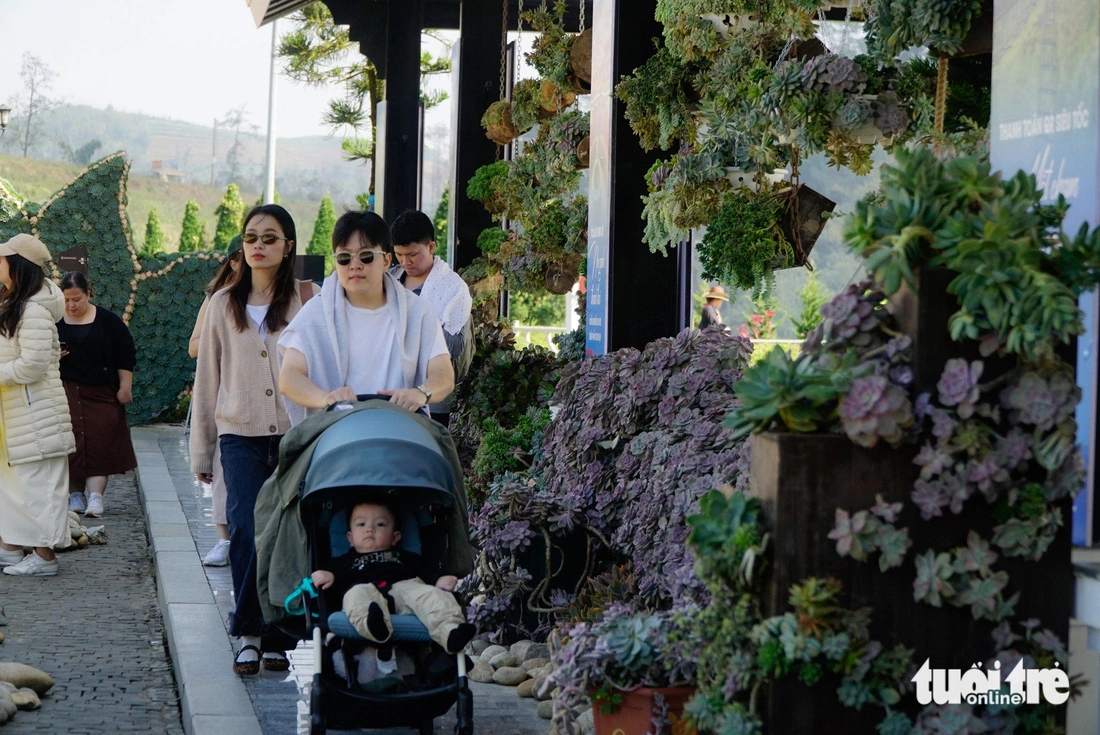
375	579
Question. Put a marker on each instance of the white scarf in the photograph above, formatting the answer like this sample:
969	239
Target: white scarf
449	296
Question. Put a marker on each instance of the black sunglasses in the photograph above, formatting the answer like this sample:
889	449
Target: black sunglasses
267	238
366	257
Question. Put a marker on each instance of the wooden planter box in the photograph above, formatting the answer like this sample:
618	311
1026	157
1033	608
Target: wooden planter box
800	480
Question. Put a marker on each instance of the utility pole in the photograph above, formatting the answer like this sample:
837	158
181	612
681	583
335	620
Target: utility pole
269	186
214	151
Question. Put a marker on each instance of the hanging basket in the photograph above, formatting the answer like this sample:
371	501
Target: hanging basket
580	58
803	220
582	153
979	39
561	276
498	125
553	99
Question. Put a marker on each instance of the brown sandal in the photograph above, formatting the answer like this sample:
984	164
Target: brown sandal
275	664
246	668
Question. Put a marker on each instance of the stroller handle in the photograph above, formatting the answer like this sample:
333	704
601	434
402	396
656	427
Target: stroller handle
359	398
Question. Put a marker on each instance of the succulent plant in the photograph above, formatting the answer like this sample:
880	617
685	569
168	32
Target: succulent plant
958	385
853	114
844	75
873	409
890	118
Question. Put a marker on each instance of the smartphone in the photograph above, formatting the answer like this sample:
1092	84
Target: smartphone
63	346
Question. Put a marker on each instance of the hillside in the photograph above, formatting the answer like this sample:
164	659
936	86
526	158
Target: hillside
38	180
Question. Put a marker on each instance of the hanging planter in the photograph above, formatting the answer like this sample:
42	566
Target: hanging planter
553	99
804	219
560	277
724	23
580	60
497	122
582	153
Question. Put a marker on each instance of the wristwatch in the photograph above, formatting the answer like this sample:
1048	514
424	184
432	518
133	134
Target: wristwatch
427	393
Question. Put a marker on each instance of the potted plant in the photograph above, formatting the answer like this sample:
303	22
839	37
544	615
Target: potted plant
637	668
498	124
745	241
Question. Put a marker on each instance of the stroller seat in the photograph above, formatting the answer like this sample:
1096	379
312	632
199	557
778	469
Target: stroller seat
406	628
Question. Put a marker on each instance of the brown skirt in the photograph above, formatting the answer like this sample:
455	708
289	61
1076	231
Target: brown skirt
103	445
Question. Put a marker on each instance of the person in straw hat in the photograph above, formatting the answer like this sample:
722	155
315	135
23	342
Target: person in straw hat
711	314
36	434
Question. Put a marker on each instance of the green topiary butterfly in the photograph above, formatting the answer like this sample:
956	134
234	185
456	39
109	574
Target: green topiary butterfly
158	297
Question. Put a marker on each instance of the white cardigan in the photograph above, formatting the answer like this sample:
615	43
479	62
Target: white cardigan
33	407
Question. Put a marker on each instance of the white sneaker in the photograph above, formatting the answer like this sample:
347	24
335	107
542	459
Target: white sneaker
7	558
95	505
33	566
76	502
217	556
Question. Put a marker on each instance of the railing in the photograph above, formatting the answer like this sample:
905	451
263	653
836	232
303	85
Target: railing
529	335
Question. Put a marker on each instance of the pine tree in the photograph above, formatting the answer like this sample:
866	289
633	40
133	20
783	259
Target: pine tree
192	229
321	242
229	214
154	235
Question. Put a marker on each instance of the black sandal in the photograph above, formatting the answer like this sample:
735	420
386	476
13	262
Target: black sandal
246	668
278	662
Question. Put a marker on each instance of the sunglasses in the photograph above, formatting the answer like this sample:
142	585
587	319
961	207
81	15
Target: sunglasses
267	238
366	257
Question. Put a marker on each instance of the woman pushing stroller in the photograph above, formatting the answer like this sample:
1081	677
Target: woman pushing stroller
375	573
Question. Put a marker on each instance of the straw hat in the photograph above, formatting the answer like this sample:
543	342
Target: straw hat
717	292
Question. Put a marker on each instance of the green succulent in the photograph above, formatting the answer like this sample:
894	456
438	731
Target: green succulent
744	243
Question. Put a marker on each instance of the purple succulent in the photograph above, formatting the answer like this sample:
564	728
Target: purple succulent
930	497
844	75
873	409
932	460
958	386
890	118
1042	402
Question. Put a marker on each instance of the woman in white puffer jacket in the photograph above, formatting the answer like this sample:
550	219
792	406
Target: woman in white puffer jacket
36	434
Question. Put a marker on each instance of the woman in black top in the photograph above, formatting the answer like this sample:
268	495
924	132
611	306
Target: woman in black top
97	369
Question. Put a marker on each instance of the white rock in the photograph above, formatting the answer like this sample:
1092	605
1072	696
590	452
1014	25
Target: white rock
97	535
509	676
7	706
26	699
537	650
477	646
22	675
534	663
586	722
488	653
526	689
482	672
545	709
519	648
502	660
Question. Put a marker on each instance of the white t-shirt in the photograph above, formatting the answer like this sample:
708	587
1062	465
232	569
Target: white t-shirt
375	363
258	314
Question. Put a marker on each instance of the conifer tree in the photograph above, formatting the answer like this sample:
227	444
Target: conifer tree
154	235
229	214
321	242
440	223
192	230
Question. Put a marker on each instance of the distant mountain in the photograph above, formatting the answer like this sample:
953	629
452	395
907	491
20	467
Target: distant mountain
306	168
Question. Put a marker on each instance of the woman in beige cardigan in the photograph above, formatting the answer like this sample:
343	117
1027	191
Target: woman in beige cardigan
36	435
236	404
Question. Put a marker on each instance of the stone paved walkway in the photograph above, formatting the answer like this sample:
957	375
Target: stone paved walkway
97	630
281	701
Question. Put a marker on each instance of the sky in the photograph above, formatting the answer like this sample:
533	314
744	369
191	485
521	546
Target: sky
191	60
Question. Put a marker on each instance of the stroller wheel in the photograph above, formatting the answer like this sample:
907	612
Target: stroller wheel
427	727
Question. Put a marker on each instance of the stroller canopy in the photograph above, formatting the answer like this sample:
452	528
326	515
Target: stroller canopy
380	449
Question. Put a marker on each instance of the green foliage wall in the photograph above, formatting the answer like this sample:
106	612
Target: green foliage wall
157	297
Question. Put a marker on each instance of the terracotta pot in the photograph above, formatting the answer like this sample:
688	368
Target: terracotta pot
635	713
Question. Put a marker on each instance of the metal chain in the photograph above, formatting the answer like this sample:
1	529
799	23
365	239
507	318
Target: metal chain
519	40
582	16
503	45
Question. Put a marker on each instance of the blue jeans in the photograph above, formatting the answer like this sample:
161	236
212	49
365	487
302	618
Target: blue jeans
247	462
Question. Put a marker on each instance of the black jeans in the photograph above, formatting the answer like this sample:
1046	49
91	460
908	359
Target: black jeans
247	462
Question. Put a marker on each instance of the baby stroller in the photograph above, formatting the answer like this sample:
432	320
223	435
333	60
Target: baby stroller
371	455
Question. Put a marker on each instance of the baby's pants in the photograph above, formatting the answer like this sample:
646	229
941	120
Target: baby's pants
437	609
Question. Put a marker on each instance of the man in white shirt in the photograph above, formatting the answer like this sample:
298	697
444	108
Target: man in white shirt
428	276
